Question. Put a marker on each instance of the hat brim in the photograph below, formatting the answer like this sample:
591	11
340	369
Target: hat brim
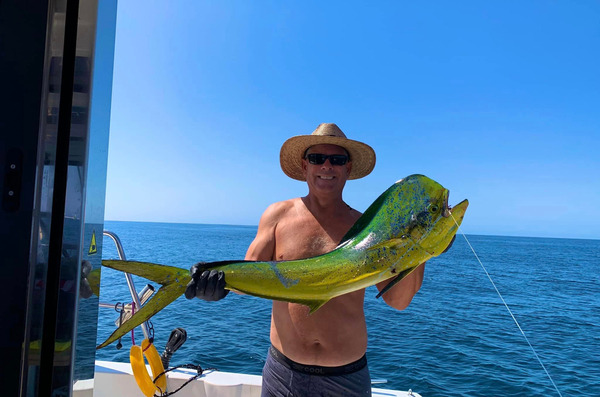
292	151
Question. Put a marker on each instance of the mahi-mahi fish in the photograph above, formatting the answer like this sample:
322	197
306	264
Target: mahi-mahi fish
407	225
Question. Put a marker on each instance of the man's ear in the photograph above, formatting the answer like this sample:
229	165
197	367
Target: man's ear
304	167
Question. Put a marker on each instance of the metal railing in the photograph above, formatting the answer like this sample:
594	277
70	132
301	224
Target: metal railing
134	295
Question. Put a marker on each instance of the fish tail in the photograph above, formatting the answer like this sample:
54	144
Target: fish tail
161	274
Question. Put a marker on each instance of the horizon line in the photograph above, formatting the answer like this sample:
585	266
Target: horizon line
256	226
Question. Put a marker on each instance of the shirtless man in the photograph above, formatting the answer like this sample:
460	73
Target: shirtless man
322	353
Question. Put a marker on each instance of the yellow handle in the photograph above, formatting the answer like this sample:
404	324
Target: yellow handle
140	373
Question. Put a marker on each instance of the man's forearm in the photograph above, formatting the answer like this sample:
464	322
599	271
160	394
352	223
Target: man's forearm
401	294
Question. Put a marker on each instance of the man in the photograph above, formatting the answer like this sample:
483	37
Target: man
322	353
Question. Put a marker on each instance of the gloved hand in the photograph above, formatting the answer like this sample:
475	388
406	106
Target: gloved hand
206	284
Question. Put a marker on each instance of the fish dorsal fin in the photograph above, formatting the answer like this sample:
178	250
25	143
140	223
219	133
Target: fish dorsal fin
366	218
211	265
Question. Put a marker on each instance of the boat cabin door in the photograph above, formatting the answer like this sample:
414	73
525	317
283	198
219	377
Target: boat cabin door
56	62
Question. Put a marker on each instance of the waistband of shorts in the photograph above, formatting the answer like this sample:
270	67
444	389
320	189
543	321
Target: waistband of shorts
317	369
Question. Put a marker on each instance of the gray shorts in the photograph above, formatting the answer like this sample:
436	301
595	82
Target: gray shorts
283	377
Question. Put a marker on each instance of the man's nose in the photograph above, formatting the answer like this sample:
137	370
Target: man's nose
327	163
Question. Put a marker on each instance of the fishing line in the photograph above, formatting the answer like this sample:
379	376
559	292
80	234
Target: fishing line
507	308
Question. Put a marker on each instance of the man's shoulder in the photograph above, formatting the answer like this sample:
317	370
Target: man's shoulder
279	210
283	206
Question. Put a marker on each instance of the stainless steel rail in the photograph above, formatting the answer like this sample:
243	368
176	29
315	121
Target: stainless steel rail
134	294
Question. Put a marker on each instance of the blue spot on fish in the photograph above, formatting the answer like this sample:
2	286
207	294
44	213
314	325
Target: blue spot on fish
286	282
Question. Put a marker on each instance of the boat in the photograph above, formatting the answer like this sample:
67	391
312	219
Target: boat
116	379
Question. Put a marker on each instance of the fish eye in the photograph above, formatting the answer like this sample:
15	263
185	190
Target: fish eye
433	208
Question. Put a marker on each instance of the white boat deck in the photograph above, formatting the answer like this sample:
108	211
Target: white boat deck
114	379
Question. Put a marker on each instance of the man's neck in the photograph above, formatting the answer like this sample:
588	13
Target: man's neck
324	205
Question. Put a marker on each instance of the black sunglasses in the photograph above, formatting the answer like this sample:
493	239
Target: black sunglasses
334	159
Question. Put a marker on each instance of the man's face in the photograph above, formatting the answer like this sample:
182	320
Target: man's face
326	177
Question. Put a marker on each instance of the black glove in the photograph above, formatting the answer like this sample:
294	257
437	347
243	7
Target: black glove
208	284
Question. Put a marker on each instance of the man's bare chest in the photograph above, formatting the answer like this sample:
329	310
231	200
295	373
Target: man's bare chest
297	240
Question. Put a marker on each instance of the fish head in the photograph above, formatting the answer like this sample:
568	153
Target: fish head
442	231
433	223
413	212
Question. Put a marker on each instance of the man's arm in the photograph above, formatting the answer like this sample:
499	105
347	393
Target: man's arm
210	285
263	246
401	294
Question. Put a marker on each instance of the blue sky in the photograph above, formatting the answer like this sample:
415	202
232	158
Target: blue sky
498	101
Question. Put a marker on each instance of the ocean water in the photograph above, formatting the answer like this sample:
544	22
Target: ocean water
455	339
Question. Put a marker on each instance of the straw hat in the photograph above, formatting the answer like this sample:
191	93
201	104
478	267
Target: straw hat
293	150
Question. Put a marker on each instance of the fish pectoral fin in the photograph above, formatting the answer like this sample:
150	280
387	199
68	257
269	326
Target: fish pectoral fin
394	243
160	300
395	280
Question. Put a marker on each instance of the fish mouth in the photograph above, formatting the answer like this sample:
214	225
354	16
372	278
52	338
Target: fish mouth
458	211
